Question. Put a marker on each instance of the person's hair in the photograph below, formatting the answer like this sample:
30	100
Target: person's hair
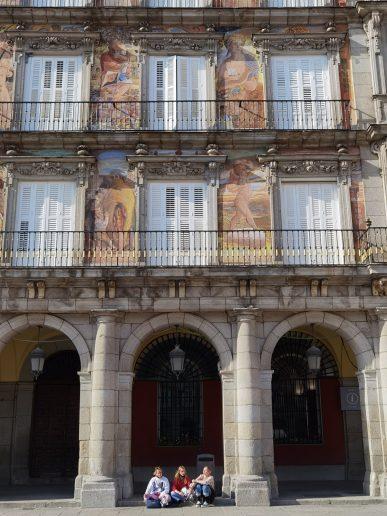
208	467
177	474
157	468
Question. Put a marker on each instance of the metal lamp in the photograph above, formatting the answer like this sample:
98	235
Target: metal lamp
176	358
37	362
313	355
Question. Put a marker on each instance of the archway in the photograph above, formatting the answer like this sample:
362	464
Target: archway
42	416
317	437
178	417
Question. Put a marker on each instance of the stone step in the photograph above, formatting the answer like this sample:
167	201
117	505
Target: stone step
138	502
339	500
38	504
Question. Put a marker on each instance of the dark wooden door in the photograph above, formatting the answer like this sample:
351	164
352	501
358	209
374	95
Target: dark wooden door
54	447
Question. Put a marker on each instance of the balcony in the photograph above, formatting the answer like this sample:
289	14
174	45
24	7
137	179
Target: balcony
184	116
258	248
174	4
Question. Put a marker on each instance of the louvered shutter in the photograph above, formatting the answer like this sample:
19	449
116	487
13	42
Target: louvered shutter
162	92
191	81
300	82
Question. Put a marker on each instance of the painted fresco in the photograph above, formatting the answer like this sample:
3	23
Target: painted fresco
111	206
6	79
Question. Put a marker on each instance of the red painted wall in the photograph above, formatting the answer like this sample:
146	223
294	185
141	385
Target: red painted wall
146	452
332	450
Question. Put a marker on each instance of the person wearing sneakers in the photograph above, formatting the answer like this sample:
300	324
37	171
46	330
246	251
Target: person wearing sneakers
157	491
204	487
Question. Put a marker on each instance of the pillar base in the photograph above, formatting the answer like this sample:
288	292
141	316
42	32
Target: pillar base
99	492
382	486
251	490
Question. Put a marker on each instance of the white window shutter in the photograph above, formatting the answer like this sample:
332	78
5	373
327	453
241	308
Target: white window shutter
25	208
156	207
171	208
34	77
290	219
280	78
199	208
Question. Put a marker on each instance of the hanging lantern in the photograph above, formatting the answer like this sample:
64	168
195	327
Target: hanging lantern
37	362
176	358
313	355
312	384
299	388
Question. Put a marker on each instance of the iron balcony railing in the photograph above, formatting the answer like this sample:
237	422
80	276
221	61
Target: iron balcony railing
184	115
193	248
175	4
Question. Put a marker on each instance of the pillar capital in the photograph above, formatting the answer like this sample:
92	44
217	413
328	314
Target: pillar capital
226	375
84	376
249	313
105	316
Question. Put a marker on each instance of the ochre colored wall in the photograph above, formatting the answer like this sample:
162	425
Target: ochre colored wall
146	452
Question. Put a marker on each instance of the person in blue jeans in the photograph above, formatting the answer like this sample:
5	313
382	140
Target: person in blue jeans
204	486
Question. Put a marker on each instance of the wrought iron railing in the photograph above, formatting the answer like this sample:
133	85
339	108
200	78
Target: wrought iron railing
184	115
193	248
174	4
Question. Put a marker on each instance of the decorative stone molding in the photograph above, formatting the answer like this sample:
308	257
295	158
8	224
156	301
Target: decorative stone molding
379	287
106	289
278	166
248	288
172	166
329	42
36	290
80	168
319	287
372	25
154	42
28	41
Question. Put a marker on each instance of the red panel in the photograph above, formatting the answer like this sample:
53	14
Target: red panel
332	450
145	451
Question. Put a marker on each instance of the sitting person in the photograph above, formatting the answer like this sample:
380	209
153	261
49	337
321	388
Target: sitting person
180	485
157	492
204	487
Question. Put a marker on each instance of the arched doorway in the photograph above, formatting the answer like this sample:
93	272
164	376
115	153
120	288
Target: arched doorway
315	439
54	444
176	417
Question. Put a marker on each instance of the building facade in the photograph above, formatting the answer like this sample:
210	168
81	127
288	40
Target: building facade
205	176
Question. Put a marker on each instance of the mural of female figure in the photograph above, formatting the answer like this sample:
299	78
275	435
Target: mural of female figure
239	183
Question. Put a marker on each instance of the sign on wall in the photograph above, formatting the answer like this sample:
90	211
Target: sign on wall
350	398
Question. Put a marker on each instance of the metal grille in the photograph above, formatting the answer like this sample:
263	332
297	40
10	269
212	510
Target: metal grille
179	399
297	411
180	413
297	415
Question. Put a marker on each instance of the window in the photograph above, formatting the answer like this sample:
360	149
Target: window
301	92
311	222
180	398
45	216
177	224
177	93
52	94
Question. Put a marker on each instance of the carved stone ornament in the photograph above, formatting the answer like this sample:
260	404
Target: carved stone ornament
338	169
202	42
28	41
325	41
379	287
372	28
172	167
80	170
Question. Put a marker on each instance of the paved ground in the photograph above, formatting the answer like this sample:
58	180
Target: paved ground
302	510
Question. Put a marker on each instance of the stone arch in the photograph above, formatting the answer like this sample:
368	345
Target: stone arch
348	331
19	323
164	321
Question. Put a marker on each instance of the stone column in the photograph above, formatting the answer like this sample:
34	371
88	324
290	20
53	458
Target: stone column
124	436
250	486
382	314
229	431
372	443
267	431
100	488
84	430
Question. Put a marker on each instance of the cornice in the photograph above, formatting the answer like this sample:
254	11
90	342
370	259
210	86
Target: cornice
266	42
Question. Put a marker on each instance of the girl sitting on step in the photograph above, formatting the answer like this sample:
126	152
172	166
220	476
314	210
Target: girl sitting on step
157	492
204	487
180	485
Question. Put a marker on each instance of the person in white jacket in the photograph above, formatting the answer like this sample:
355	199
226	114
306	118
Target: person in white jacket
157	490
